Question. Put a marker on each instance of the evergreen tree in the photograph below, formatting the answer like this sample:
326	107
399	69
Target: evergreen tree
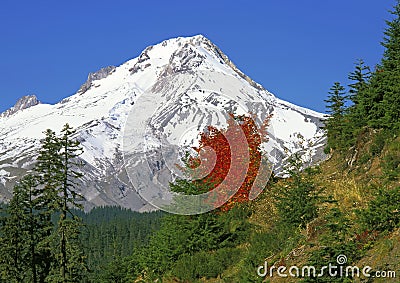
379	102
359	78
391	71
391	41
13	247
335	124
184	242
358	88
48	167
336	100
58	163
297	202
38	226
24	232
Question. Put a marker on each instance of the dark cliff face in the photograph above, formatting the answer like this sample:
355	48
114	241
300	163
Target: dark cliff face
23	103
100	74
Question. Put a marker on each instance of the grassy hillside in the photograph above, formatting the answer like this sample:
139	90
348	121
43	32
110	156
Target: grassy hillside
352	191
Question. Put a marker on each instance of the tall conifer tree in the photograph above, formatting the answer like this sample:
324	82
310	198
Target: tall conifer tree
13	245
335	124
380	102
358	89
58	168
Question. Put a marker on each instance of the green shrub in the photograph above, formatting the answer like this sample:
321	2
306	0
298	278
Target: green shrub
391	161
190	239
278	240
391	167
383	213
364	158
205	264
335	241
297	201
378	143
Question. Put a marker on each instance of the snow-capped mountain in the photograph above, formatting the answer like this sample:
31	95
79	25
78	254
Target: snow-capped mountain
174	89
22	103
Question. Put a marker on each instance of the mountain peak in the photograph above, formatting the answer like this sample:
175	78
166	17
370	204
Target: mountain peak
98	75
172	91
24	102
186	54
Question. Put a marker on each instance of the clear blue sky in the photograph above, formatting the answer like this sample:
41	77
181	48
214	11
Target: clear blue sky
295	49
